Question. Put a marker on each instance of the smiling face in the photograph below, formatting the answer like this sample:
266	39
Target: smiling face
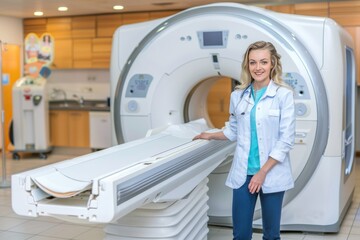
260	67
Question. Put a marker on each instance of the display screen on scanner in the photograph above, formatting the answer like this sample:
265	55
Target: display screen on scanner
213	38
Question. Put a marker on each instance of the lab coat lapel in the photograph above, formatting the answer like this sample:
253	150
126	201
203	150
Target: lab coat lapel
271	89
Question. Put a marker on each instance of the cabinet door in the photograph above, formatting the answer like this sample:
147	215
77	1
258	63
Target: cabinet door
101	52
60	28
59	128
35	25
79	129
312	9
107	24
82	53
83	27
63	56
289	8
346	13
129	18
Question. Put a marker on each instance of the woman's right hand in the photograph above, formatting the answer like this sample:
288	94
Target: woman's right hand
203	135
211	136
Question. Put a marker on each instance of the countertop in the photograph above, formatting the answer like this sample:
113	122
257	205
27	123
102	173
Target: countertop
87	105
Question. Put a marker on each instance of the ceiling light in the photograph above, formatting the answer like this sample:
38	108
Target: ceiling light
118	7
62	9
38	13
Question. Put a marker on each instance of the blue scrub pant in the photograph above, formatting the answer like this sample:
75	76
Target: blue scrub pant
243	207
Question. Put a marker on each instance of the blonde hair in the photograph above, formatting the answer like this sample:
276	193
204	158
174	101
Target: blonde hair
276	71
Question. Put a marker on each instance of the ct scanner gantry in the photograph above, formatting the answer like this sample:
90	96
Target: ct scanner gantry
162	72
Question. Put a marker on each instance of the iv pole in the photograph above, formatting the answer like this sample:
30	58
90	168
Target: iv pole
4	183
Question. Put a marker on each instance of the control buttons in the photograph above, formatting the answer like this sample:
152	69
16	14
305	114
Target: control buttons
300	109
239	36
138	85
132	106
37	100
298	83
300	137
186	38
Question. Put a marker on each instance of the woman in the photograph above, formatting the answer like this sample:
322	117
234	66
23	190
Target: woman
262	121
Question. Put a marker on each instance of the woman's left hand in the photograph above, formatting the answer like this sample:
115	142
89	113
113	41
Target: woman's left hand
256	182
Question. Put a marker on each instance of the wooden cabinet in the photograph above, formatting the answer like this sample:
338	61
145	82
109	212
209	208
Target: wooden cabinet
309	9
91	53
129	18
60	28
85	41
83	27
282	8
312	9
107	24
34	25
345	13
82	53
63	54
59	125
69	128
101	52
79	128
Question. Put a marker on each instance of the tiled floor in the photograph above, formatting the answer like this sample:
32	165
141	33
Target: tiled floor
13	227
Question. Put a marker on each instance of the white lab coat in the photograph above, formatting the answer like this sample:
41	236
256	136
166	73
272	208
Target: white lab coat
275	125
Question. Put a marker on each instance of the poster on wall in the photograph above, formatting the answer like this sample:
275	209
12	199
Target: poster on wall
5	79
39	54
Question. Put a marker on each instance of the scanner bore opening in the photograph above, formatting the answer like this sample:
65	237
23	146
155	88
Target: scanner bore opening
210	99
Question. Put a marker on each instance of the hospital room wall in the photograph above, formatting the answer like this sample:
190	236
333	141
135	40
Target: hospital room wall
11	30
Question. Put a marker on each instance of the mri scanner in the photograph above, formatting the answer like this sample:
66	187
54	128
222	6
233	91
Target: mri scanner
157	181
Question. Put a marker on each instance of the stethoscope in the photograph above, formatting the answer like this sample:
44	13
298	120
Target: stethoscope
248	102
241	97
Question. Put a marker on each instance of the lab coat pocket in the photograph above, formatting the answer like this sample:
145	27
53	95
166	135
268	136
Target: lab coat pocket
274	112
274	120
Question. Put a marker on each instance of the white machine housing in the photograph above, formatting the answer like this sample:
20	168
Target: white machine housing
30	115
104	186
159	76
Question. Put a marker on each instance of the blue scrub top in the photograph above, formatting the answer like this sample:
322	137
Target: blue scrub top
254	158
